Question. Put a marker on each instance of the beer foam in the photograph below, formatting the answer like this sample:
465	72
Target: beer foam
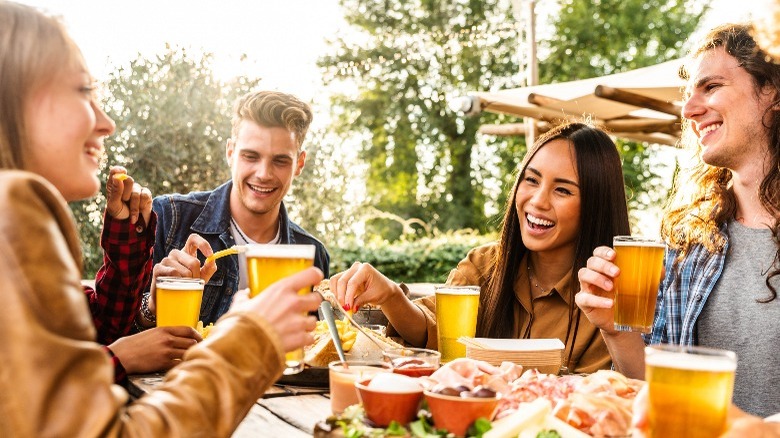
693	362
639	241
281	251
457	290
180	285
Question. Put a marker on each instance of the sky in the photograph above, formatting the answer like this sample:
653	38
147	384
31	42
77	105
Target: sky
282	39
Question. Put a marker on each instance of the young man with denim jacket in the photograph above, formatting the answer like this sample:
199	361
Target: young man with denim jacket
265	155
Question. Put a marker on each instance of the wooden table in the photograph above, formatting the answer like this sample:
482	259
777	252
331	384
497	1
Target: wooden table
286	411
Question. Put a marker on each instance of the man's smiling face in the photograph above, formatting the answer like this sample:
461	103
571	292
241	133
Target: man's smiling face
263	162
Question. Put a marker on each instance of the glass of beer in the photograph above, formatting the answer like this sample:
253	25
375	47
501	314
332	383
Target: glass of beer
456	316
690	390
268	264
178	301
640	261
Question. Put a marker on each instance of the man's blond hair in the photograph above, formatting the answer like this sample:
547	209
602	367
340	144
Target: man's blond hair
273	109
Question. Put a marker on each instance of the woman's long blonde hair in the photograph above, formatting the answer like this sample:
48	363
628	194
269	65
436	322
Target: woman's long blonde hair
33	48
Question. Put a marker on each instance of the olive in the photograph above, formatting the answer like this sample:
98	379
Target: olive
462	388
446	390
479	392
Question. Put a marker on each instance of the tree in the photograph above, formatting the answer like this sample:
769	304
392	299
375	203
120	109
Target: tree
600	37
173	119
426	162
412	57
595	38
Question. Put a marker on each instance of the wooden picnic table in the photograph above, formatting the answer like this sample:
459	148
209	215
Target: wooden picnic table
286	411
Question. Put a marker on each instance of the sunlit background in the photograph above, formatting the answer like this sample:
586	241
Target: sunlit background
281	40
280	44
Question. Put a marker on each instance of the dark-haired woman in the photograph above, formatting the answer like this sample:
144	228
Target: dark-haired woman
568	199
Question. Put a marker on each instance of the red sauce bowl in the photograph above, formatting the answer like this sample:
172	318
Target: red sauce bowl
413	362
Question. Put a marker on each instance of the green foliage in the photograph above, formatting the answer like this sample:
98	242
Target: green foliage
409	59
427	163
596	38
423	260
173	120
319	199
599	37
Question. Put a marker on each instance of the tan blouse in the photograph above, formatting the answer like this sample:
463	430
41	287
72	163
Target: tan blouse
543	317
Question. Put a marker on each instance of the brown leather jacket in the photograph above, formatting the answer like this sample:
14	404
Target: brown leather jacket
56	381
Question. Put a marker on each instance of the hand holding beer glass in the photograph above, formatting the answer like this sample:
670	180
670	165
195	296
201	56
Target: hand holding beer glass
268	264
641	262
456	316
690	390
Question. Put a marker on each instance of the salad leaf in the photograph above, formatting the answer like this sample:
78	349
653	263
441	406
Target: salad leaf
551	433
395	429
480	426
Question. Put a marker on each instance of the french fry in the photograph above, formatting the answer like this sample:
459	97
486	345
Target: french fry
347	333
204	331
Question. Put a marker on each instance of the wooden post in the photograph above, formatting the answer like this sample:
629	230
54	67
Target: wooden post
524	13
533	71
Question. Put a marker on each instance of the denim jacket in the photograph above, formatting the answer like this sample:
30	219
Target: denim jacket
208	214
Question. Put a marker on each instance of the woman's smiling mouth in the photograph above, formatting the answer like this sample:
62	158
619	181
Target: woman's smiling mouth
537	222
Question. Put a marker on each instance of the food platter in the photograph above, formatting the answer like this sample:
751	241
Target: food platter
576	406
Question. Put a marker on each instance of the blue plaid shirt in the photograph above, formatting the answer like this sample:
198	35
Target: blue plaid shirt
683	292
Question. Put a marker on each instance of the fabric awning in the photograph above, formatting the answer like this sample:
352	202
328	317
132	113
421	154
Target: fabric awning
642	104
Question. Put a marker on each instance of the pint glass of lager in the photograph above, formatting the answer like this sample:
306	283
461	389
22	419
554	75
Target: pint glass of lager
178	301
456	316
268	264
690	390
640	261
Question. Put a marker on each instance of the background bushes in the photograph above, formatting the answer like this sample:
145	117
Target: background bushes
423	260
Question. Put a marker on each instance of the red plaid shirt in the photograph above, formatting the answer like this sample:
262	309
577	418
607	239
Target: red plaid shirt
119	284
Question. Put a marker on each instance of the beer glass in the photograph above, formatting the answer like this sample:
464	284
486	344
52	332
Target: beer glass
178	301
690	390
456	316
268	264
640	261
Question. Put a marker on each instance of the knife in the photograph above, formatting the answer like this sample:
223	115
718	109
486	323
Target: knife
327	312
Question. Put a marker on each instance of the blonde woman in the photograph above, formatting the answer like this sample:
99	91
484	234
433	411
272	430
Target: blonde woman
55	379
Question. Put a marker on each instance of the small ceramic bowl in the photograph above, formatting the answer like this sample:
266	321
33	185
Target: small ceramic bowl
456	414
383	406
413	362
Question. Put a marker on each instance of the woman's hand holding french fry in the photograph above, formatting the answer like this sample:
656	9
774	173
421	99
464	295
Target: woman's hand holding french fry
127	199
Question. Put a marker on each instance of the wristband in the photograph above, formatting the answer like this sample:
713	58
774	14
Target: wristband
145	312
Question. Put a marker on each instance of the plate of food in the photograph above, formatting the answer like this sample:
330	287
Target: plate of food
318	355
